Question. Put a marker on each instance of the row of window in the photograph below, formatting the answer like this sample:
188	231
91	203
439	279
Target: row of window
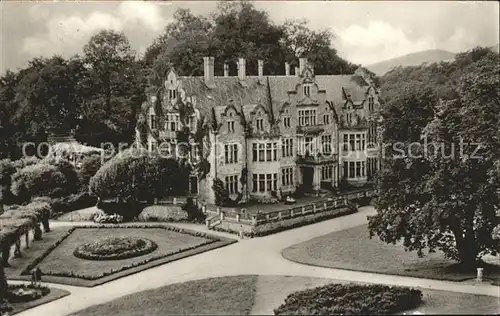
231	153
354	141
265	152
172	122
264	182
326	173
354	169
307	145
306	118
269	182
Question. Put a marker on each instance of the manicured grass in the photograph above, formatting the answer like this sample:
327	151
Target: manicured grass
60	265
352	249
260	295
214	296
54	294
272	291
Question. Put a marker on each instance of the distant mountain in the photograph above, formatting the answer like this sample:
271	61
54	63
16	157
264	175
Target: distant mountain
413	59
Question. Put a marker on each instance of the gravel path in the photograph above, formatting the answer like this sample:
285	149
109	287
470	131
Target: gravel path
260	256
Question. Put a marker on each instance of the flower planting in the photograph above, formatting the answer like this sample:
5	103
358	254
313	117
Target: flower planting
103	218
357	299
115	248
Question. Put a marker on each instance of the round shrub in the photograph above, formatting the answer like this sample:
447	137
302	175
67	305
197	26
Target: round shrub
26	161
138	176
88	167
115	248
344	299
46	178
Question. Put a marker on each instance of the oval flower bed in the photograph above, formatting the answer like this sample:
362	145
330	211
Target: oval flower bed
343	299
115	248
20	293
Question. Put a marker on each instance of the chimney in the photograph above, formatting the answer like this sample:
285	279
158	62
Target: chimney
226	70
260	63
302	64
241	68
297	72
208	71
287	69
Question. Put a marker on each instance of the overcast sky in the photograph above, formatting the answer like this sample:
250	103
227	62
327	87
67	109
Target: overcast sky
366	32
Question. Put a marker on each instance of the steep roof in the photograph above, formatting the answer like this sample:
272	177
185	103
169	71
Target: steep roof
269	91
225	89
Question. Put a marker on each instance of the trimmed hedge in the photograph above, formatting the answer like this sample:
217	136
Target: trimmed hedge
134	175
69	203
90	164
350	299
52	178
117	250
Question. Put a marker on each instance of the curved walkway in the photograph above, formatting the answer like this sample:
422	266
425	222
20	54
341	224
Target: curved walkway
250	256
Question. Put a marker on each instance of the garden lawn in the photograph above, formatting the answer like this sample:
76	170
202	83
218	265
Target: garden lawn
54	294
61	266
214	296
260	295
352	249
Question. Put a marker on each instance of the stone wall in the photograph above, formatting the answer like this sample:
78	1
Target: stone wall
269	223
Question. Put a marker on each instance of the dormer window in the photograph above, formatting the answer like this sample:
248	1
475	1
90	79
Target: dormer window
307	90
152	121
326	119
172	94
230	126
370	104
259	124
286	121
349	118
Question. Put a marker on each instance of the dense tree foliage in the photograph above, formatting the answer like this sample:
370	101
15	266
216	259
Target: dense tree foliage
97	96
136	175
237	29
440	174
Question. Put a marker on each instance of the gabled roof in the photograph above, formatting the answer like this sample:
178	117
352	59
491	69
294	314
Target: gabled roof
271	92
225	89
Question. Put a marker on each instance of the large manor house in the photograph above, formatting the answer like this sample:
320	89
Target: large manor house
269	135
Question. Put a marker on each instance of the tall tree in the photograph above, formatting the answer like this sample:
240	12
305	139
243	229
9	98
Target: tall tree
241	30
302	41
184	43
238	29
112	90
438	188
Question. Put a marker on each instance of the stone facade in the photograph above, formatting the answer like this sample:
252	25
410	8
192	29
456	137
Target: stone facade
266	135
